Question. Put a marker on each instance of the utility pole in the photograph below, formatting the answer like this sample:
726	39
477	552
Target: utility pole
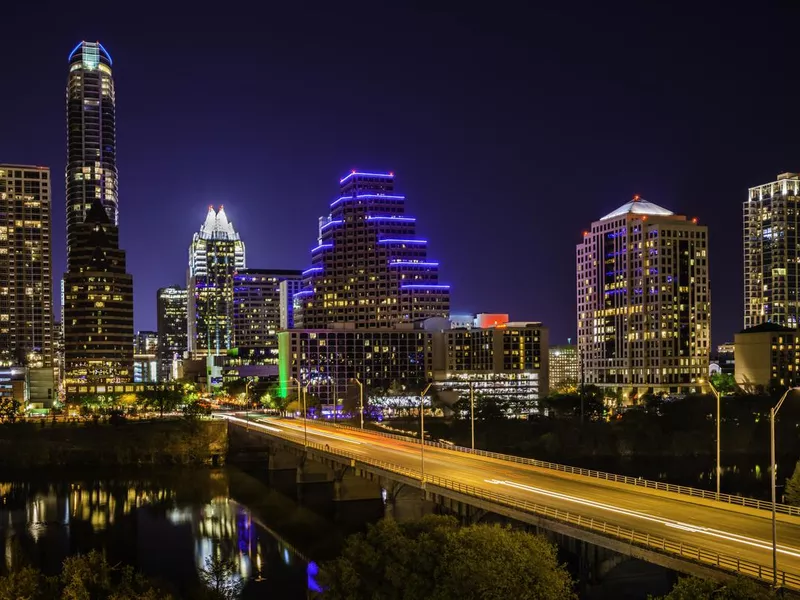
472	410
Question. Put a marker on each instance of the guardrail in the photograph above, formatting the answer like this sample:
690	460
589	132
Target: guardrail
644	540
639	482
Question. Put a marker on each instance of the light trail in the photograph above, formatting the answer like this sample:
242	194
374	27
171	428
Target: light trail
295	430
724	535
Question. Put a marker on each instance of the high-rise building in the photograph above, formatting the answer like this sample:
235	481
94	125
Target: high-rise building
767	357
772	253
91	133
97	290
508	360
145	342
644	304
215	254
171	316
257	312
287	289
369	267
98	305
26	305
564	368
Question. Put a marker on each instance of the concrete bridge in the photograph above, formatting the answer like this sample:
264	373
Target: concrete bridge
603	521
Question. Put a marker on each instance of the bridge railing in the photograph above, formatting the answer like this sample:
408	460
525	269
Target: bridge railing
660	544
637	481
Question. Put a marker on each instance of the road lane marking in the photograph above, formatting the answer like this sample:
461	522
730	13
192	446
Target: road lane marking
277	430
725	535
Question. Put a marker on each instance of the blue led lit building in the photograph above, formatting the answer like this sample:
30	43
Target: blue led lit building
369	268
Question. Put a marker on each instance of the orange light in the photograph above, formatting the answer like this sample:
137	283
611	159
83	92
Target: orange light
644	218
585	233
636	197
694	220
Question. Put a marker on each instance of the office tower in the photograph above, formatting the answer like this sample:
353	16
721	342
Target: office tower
643	301
507	360
287	289
215	254
98	292
91	132
772	253
766	358
328	360
257	313
565	373
145	357
369	268
26	307
145	342
171	314
98	305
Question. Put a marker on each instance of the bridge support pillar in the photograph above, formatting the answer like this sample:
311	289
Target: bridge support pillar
405	503
314	484
356	499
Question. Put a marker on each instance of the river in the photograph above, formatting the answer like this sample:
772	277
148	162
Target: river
165	524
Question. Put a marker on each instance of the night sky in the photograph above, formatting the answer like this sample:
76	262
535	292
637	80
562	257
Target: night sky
510	128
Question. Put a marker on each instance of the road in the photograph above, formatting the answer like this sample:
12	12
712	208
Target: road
717	527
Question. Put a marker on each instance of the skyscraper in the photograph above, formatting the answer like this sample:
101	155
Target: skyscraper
98	304
98	292
257	313
771	253
643	301
171	315
26	306
369	267
287	289
91	136
215	254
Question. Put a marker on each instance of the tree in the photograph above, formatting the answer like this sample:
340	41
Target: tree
221	577
9	410
82	577
161	398
275	402
724	382
694	588
435	558
792	489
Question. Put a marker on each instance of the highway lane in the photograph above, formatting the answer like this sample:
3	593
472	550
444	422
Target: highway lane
718	528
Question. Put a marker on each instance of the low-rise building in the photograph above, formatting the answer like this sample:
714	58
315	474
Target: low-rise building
564	367
767	355
510	360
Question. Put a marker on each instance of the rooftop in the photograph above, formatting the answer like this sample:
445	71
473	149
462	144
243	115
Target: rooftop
637	206
768	328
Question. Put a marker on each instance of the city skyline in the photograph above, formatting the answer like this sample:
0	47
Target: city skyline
662	132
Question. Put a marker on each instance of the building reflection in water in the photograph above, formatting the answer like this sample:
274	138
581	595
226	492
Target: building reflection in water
142	523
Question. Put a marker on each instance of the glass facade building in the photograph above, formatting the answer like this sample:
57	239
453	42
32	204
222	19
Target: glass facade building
215	254
644	304
26	297
171	315
369	268
772	253
257	313
97	290
91	172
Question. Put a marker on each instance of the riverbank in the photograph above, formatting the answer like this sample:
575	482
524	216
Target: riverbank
45	444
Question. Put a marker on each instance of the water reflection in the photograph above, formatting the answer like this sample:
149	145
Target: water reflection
166	529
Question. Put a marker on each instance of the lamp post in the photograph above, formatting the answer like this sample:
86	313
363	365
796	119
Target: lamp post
772	413
422	430
360	399
472	411
305	414
716	393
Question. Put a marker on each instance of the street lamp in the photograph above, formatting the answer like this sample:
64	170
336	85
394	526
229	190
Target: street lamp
360	399
305	414
716	393
422	430
772	413
472	411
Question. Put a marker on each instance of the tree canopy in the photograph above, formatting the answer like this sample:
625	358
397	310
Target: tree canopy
434	558
694	588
